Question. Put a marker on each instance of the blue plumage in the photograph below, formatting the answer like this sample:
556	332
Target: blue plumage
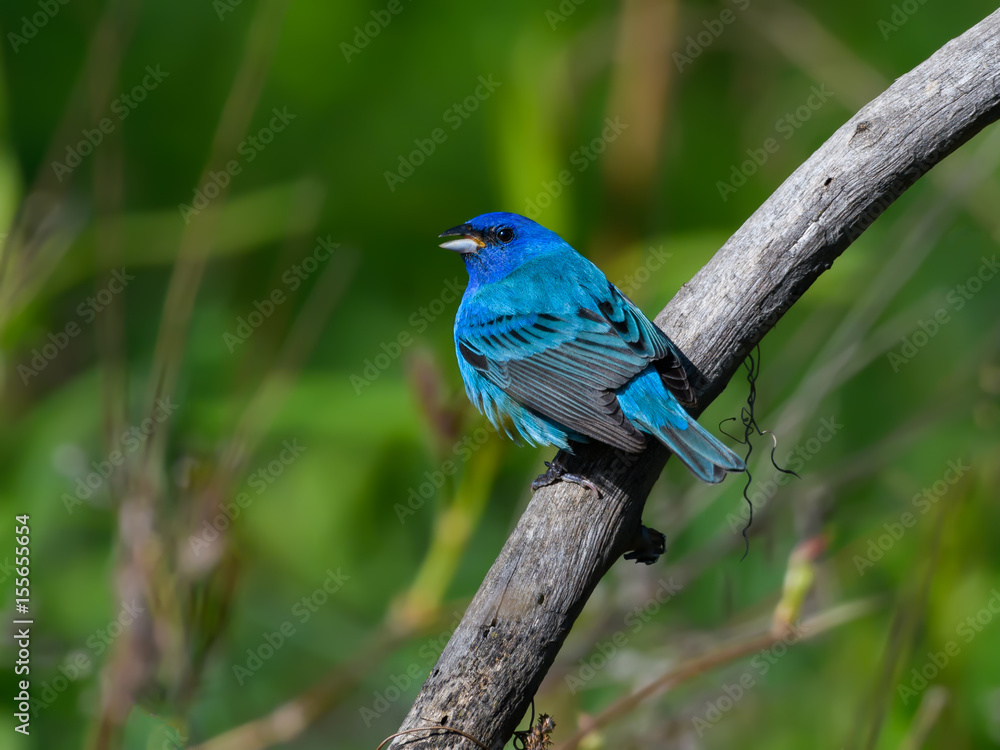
552	352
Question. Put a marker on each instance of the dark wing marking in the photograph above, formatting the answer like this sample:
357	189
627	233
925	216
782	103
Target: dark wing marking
623	314
474	358
675	378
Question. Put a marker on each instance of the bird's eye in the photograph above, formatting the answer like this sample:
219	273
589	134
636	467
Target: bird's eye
505	234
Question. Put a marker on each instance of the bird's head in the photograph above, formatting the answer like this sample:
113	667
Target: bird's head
495	244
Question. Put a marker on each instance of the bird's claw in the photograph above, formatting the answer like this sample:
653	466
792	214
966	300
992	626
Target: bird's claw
649	544
555	472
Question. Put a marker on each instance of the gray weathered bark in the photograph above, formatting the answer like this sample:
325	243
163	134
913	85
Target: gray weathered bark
566	539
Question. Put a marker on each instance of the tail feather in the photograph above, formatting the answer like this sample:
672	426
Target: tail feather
654	410
700	451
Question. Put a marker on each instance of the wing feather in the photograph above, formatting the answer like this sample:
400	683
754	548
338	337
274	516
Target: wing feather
568	366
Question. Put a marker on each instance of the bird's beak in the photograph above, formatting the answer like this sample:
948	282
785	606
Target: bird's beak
470	243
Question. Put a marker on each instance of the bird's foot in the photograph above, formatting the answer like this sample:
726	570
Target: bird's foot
648	545
555	472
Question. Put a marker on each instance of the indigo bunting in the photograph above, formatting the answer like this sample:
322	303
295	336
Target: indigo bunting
552	350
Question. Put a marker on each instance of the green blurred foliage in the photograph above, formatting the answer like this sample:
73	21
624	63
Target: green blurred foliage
377	402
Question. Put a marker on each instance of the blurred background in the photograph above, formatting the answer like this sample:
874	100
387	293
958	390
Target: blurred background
258	498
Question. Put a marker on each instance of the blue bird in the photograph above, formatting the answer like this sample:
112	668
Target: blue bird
552	350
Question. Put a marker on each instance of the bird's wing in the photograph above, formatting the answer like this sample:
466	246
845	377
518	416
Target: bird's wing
632	325
567	366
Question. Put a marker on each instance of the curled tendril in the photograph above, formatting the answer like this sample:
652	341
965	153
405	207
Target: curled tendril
519	736
750	427
431	728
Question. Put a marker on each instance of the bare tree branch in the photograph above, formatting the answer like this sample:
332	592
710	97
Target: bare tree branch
566	540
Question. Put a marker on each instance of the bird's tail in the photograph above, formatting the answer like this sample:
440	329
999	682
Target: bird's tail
654	410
